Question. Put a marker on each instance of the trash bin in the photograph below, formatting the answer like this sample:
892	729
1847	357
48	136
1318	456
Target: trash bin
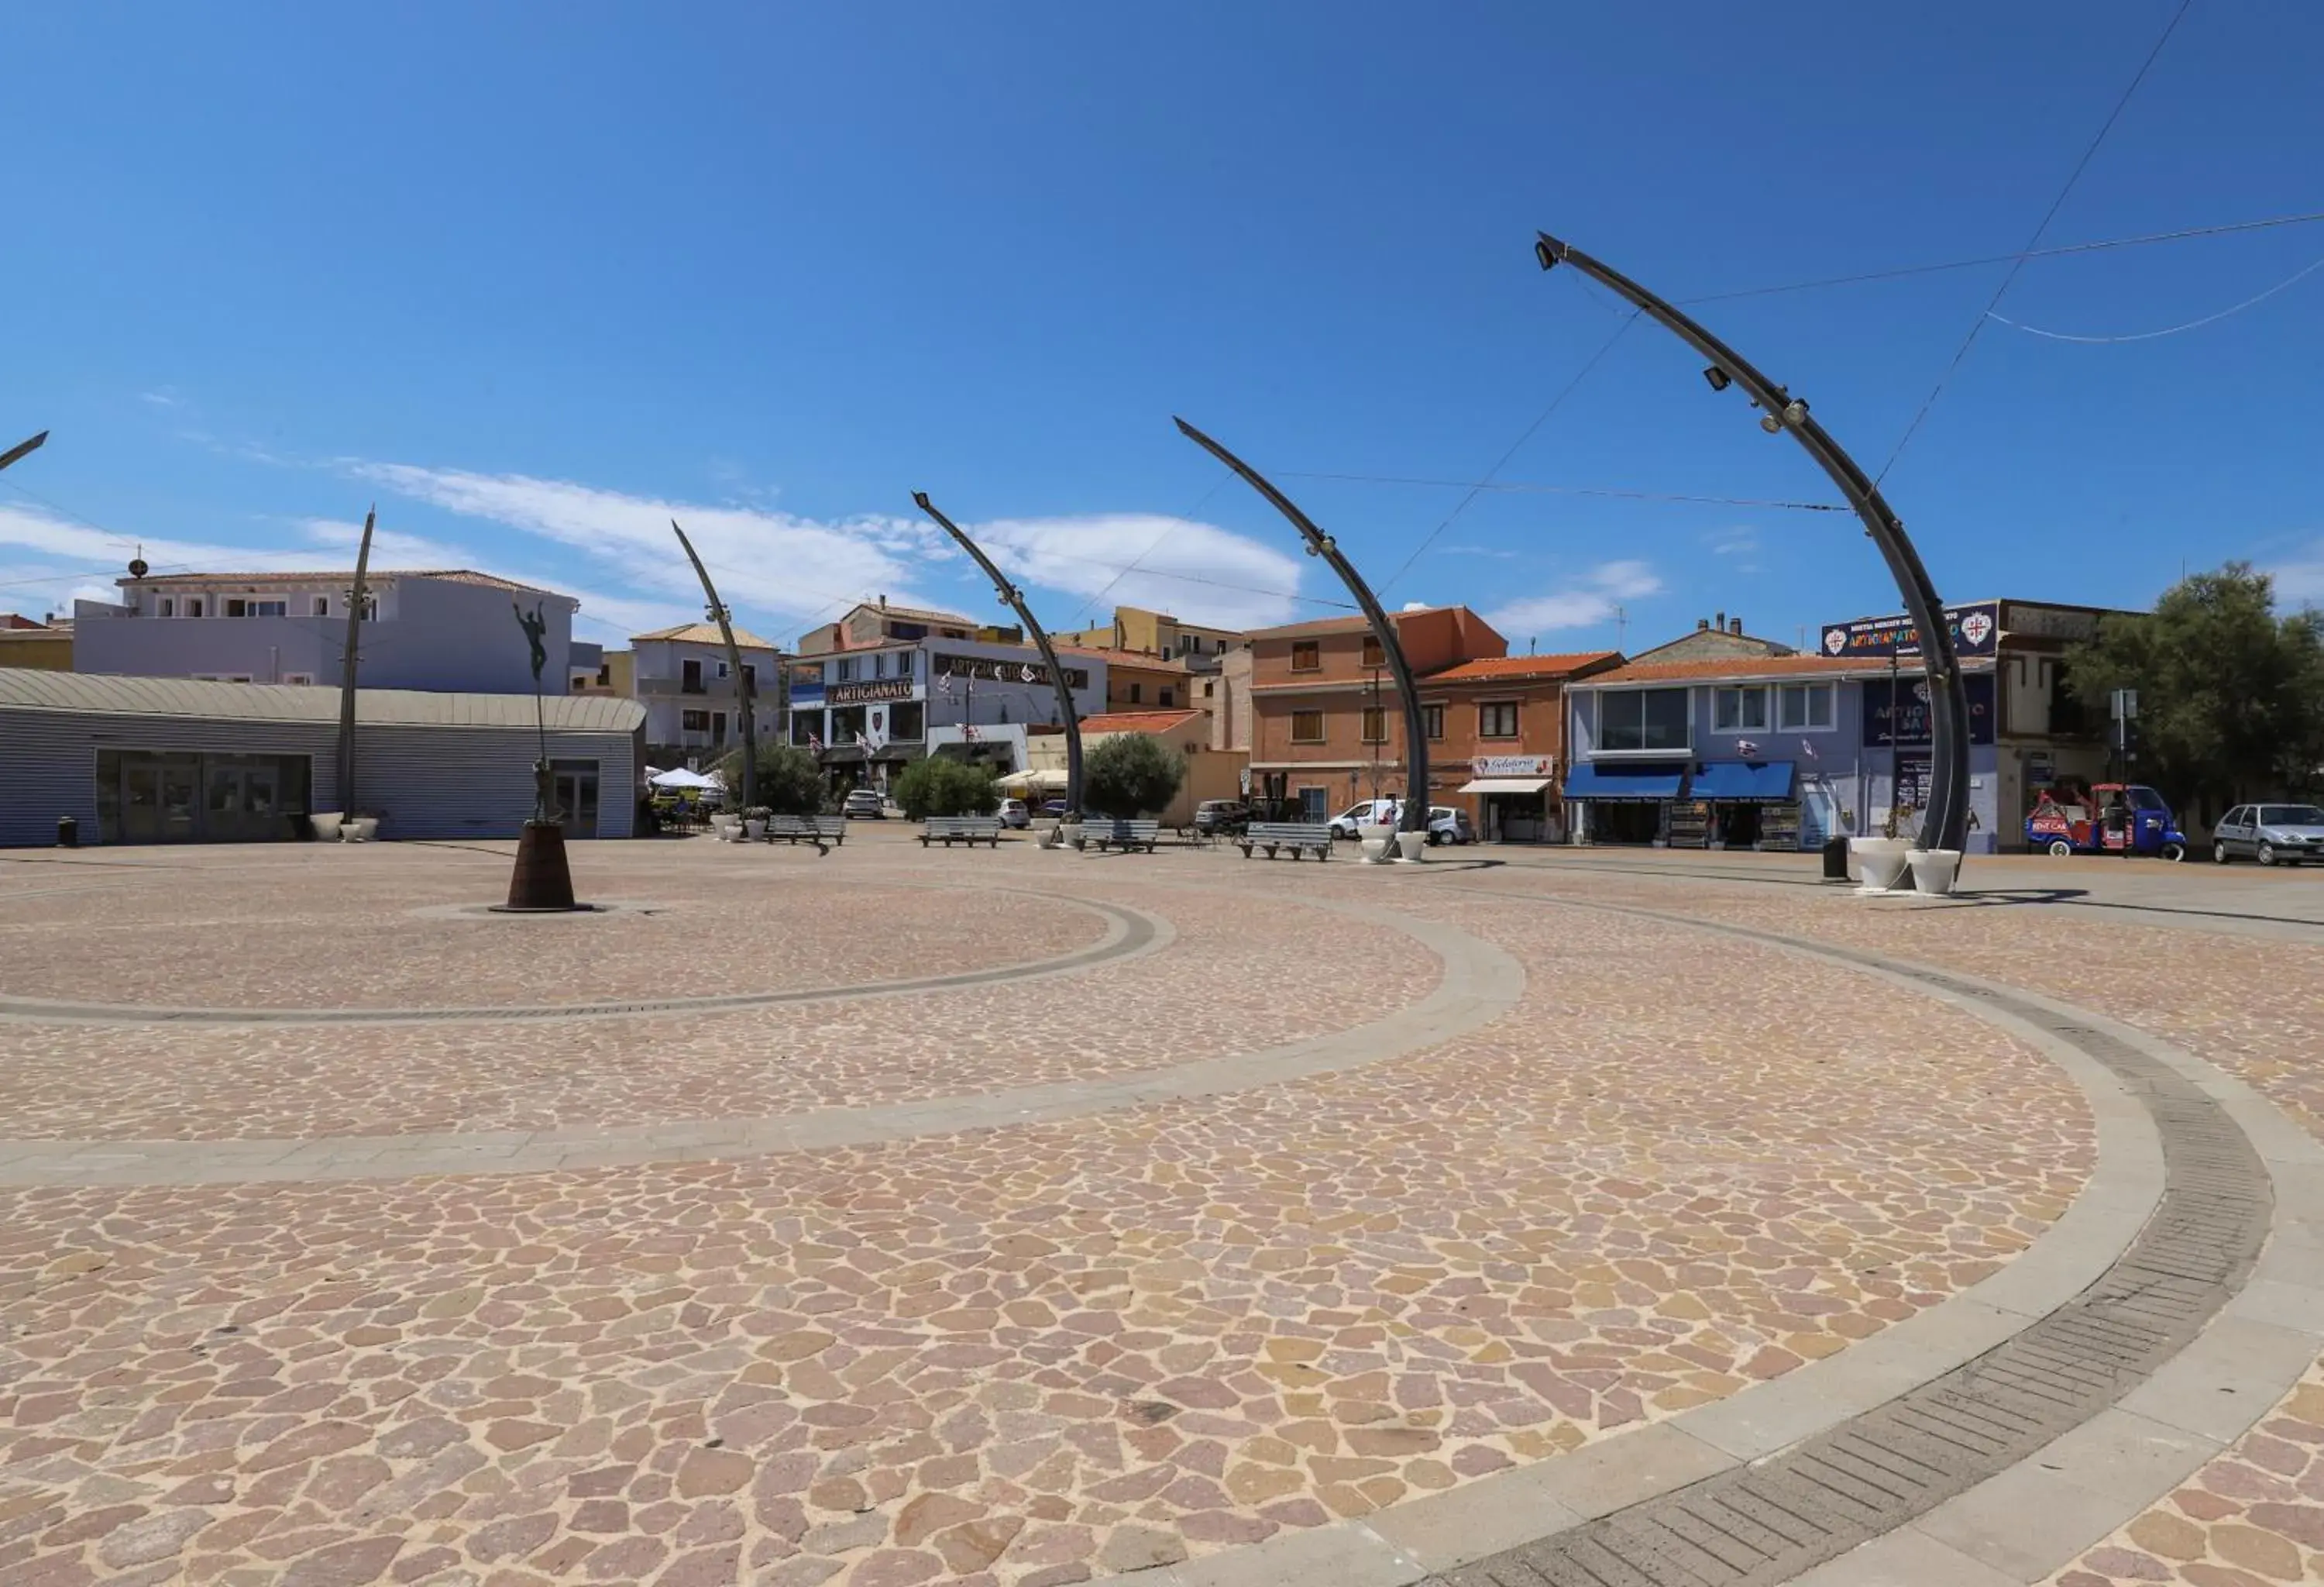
1835	859
68	832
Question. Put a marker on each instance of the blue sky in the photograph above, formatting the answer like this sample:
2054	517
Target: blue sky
534	279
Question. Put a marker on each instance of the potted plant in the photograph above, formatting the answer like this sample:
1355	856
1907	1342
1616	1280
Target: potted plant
1879	861
754	822
1412	846
360	827
1934	871
325	824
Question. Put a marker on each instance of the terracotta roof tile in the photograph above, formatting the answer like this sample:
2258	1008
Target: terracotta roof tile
705	633
346	576
1557	665
1137	721
1731	667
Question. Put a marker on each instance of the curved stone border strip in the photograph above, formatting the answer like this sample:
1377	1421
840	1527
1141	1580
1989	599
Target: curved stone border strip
1785	1484
1130	933
1480	984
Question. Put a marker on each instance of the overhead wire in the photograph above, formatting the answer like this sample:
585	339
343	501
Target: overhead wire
2102	245
2072	178
1530	487
2148	336
1539	419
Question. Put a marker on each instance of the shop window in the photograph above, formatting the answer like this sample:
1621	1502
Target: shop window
1803	707
1497	719
694	721
1307	727
320	605
1375	725
1739	710
846	672
904	664
1432	722
1306	656
1643	719
1374	656
169	606
194	606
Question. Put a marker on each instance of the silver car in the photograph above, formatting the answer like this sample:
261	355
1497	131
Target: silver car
2274	834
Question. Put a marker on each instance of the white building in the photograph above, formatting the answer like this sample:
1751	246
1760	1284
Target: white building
450	630
686	680
871	710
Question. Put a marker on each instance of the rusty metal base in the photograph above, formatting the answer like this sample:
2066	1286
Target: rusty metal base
541	882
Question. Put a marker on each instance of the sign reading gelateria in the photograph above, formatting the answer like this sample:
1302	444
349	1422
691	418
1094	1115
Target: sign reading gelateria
1513	766
856	693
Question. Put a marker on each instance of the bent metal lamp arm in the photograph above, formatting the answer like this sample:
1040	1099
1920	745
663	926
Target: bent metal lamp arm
1948	817
1319	544
746	691
1014	598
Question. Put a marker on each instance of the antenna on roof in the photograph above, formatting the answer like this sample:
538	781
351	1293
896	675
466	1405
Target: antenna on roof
1621	628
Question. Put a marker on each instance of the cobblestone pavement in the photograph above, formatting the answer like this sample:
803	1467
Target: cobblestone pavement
2255	1515
1015	1357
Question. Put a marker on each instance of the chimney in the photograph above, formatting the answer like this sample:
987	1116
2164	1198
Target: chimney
1702	625
1735	625
1717	621
883	603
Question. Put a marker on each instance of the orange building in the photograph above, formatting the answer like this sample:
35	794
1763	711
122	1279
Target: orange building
1326	729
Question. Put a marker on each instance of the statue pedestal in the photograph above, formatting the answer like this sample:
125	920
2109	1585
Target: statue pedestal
541	882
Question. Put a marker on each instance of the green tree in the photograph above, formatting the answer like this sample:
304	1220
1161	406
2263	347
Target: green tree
2230	695
938	785
1131	774
790	783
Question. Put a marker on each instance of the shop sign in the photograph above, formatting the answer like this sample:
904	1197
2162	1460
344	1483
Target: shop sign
1912	784
1975	631
1513	766
1912	720
2062	623
1000	670
856	693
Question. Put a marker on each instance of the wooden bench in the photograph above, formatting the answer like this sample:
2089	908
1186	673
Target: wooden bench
1124	835
815	829
1292	836
970	830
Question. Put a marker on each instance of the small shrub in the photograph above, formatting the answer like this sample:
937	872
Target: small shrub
1131	774
938	785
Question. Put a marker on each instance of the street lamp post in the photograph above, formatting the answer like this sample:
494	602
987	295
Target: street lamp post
22	447
1948	820
1319	544
743	690
1014	598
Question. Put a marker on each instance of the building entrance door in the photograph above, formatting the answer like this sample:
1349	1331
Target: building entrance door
577	796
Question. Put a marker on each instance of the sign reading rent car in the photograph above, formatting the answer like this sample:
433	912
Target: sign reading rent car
1975	631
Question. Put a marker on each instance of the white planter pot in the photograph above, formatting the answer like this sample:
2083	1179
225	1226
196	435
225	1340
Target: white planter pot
1376	850
1934	871
1070	833
325	827
1412	846
359	828
1048	839
1879	862
754	830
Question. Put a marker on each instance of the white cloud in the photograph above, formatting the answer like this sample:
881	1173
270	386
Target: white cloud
1197	571
788	567
1736	542
2300	583
158	399
1591	601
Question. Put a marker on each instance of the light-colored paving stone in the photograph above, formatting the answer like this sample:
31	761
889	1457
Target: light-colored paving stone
1673	1169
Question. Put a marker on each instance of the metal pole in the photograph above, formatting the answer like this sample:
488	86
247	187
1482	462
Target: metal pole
1948	822
743	691
1896	738
23	448
348	668
1319	544
1014	598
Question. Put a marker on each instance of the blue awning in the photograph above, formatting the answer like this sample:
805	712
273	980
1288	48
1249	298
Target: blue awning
1652	782
1743	782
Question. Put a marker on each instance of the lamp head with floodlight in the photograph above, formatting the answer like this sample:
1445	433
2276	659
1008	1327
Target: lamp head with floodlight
1771	424
1546	252
1795	412
1717	378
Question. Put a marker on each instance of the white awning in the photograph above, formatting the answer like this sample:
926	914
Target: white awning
1508	785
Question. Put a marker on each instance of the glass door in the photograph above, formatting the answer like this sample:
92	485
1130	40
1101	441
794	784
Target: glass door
577	796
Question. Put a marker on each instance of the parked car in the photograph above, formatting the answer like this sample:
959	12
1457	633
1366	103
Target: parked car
1447	824
1053	808
2274	834
864	803
1013	814
1223	818
1363	813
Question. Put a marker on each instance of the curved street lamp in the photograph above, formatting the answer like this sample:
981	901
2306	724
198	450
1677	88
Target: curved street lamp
1319	544
1947	824
23	448
722	616
1013	597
